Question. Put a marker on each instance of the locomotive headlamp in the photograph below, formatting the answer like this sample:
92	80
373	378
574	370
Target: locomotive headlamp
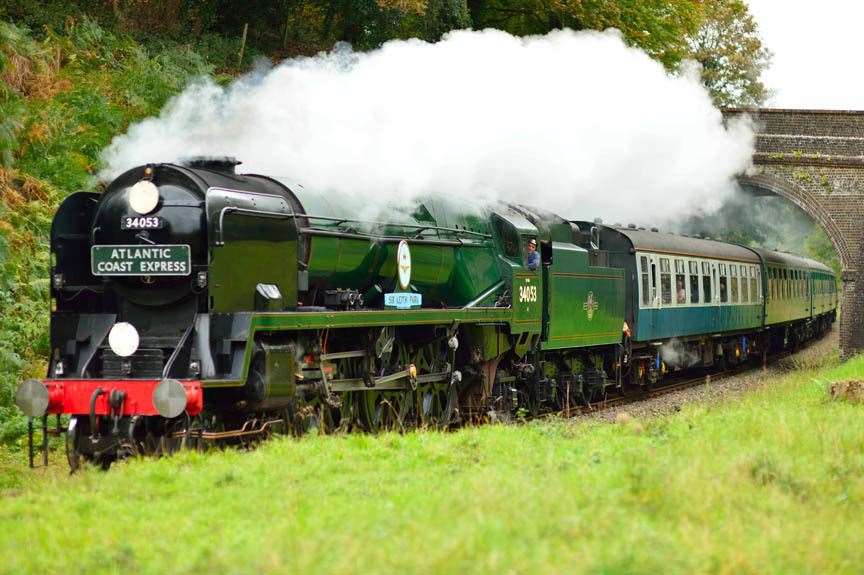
123	339
143	197
32	398
169	398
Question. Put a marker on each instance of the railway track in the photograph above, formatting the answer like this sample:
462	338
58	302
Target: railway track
685	380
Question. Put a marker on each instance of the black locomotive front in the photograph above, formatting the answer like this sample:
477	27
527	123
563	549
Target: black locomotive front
137	271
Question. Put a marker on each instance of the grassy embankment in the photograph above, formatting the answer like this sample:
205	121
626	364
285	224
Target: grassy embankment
771	483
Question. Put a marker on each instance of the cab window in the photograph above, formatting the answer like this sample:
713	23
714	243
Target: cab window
508	237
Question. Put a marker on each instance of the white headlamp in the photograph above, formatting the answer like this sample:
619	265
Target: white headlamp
143	197
123	339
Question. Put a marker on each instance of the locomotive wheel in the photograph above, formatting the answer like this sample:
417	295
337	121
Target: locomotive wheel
435	405
380	410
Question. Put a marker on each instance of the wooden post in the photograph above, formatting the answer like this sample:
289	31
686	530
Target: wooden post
285	37
242	44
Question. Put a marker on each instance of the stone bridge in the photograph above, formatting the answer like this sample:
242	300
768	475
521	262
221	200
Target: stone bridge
815	159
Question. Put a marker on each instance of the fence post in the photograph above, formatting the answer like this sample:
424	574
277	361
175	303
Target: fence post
242	44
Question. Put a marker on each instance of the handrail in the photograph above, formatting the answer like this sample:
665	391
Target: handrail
417	227
383	239
484	295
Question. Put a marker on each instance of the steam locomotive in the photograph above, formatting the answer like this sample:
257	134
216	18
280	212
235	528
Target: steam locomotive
191	303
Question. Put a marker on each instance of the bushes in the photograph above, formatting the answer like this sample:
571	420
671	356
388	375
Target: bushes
62	99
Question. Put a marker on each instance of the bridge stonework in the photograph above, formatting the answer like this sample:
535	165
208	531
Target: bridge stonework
815	159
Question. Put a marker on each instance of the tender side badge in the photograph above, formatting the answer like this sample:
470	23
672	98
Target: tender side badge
590	305
403	263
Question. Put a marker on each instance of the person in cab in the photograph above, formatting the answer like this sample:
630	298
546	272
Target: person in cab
532	261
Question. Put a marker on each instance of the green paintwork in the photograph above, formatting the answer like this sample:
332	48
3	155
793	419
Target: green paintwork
585	304
257	250
486	341
527	301
823	289
442	273
299	321
785	299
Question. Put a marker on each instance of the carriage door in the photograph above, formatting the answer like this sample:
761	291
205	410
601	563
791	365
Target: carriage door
715	297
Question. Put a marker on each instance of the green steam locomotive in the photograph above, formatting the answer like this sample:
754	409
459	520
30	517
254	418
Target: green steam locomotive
195	304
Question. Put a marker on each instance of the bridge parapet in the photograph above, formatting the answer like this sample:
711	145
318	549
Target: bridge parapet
838	123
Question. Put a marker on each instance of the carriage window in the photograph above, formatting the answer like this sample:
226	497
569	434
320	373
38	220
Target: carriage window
734	282
771	283
646	292
706	283
694	282
753	285
680	285
778	284
724	292
745	291
665	280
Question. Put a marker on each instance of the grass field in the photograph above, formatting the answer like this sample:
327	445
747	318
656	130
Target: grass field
773	482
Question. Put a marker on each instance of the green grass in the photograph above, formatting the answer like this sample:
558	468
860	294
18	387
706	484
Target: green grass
771	483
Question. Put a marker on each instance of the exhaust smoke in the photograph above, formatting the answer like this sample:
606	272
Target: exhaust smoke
577	123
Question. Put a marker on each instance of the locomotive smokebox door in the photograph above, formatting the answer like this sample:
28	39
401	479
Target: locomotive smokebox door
253	243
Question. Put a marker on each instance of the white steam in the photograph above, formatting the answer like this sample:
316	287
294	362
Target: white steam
678	355
577	123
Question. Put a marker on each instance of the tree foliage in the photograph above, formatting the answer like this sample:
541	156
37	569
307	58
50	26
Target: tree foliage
660	27
731	53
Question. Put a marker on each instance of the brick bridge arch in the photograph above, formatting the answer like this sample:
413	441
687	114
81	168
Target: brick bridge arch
815	159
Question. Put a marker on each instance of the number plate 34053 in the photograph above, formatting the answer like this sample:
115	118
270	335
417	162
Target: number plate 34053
141	223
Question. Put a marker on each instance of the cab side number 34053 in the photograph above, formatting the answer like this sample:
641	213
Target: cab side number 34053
527	293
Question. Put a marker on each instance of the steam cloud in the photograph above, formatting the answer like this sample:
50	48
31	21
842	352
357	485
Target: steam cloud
577	123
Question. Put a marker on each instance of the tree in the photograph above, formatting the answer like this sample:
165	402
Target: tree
818	246
728	47
660	27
